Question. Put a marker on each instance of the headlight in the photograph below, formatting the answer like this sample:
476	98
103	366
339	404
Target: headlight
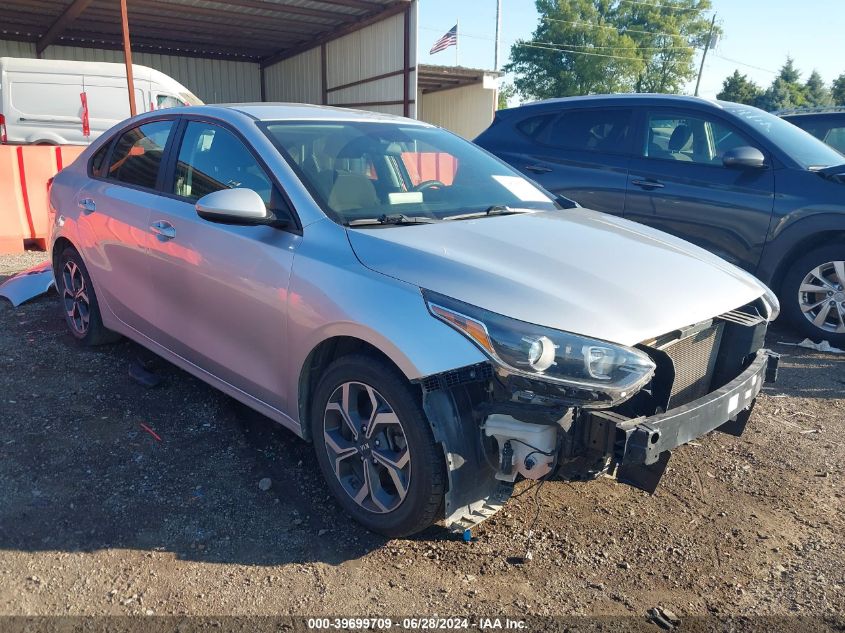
771	300
569	360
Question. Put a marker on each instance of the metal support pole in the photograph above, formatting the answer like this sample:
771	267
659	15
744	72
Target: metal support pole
498	32
127	58
704	54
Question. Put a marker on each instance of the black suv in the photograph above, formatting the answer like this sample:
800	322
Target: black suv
742	183
827	125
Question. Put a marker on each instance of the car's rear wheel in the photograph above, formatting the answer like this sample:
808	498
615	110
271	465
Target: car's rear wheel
79	301
813	294
375	447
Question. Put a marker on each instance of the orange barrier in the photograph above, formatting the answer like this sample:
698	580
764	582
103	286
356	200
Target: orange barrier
24	172
424	166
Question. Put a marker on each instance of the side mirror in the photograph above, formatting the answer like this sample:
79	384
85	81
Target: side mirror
744	157
236	206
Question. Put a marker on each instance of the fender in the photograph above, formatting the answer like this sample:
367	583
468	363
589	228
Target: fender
332	294
807	229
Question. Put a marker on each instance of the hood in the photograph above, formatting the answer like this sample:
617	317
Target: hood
576	270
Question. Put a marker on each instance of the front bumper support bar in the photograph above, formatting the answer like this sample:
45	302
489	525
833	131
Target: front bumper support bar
640	446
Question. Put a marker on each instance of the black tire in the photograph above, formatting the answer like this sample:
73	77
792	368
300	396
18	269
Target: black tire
426	481
70	273
791	296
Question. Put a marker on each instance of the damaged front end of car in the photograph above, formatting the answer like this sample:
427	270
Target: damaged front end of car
552	404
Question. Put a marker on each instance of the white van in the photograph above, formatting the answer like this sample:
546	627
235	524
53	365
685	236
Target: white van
52	102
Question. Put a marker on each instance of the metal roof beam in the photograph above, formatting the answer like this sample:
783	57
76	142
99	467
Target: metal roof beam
58	27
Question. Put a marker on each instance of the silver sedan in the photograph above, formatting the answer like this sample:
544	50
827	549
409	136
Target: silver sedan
435	323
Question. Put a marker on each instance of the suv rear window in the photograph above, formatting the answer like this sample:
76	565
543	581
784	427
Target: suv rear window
599	130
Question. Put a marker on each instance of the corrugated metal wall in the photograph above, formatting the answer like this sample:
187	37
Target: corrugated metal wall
212	80
466	111
375	50
297	80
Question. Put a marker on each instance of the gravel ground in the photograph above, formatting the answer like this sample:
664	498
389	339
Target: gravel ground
99	516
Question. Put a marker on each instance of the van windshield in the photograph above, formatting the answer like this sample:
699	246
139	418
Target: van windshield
363	170
802	147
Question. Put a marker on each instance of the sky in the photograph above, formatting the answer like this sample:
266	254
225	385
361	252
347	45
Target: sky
757	33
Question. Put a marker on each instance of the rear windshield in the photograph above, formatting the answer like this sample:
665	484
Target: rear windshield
359	170
802	147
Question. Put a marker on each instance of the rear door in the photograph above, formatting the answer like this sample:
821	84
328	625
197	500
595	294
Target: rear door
678	184
221	290
582	154
114	218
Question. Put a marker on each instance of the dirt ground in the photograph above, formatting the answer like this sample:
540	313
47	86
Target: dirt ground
98	516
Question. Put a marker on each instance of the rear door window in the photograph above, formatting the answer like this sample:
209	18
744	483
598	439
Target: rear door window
137	156
598	130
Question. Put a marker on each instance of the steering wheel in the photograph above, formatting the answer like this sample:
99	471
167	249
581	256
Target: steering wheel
429	184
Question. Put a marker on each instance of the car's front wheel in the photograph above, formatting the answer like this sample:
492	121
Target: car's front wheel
375	447
813	294
79	301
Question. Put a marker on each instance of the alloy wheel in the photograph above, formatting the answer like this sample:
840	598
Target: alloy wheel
821	296
75	298
367	447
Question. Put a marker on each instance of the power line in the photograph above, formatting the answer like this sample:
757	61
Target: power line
663	6
736	61
559	50
623	30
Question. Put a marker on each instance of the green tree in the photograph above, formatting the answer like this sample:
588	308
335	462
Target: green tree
575	50
668	35
837	90
739	89
816	92
590	46
778	96
787	81
506	93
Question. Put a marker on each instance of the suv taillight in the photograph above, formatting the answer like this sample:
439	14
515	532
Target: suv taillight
2	129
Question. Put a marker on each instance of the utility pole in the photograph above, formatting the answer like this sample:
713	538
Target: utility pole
498	31
704	55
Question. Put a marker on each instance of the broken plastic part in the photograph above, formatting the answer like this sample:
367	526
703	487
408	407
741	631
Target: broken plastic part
28	284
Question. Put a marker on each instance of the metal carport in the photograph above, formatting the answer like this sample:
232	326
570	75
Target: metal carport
354	53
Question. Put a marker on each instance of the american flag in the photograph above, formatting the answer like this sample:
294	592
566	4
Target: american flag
450	39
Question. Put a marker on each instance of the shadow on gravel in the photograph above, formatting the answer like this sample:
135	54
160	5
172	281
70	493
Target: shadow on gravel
79	472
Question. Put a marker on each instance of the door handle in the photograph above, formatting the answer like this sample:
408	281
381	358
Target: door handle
648	184
538	169
163	230
87	205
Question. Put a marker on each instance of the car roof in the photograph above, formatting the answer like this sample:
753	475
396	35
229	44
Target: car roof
628	99
297	112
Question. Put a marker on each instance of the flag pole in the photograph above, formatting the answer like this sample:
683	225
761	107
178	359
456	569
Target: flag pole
457	30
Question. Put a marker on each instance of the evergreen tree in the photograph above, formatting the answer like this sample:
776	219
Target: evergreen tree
739	89
816	92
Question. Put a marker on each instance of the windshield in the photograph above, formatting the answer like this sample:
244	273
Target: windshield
368	170
802	147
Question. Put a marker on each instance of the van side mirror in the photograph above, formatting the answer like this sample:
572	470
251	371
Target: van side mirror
744	157
237	206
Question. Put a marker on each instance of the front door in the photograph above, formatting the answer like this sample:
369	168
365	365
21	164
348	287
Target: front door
678	184
221	290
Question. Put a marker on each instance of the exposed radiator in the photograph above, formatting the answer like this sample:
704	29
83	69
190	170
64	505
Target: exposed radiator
694	358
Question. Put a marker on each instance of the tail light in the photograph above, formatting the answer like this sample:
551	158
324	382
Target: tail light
3	138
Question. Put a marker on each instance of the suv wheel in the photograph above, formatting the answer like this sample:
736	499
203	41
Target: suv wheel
813	294
79	301
375	447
